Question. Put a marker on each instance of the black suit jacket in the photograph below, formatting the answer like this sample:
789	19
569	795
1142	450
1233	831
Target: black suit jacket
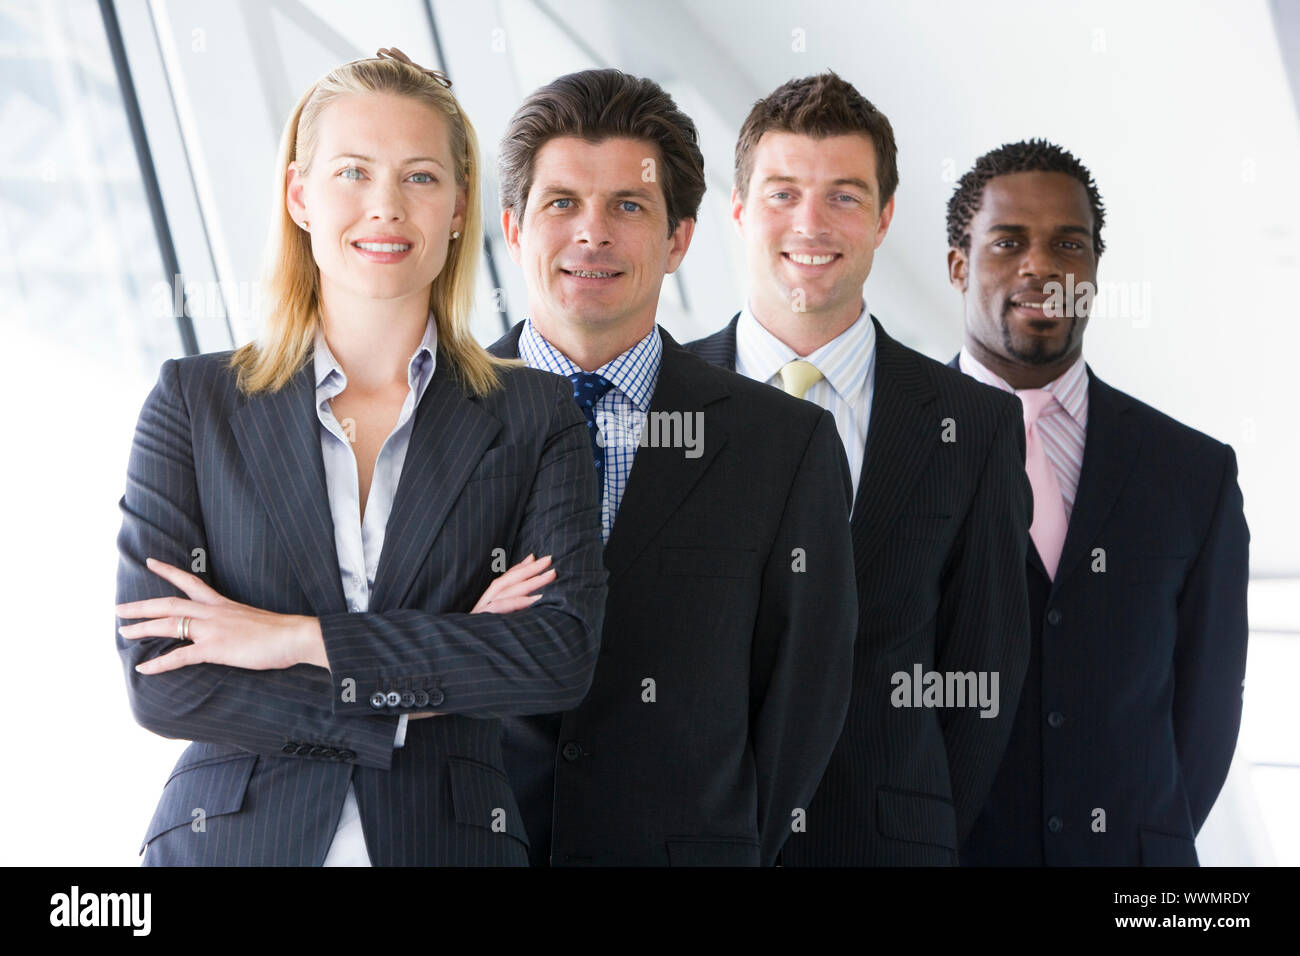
730	589
939	534
241	481
1130	710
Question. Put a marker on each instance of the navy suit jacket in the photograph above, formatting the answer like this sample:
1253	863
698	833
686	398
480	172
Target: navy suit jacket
731	591
1131	706
237	483
939	533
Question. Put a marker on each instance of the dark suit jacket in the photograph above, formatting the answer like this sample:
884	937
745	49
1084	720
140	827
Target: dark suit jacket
939	535
242	479
1133	697
729	588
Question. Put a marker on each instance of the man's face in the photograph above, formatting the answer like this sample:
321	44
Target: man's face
1032	229
811	222
381	196
594	242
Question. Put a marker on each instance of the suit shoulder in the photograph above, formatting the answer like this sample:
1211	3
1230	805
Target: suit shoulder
1175	436
956	387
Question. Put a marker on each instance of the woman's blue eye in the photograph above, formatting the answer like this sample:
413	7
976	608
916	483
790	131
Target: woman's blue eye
350	169
427	178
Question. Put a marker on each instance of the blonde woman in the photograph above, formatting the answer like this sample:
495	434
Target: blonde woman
312	521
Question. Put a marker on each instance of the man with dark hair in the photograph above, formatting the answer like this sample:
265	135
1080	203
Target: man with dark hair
941	502
723	677
1138	564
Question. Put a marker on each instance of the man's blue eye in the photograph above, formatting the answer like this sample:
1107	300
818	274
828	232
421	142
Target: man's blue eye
557	202
627	202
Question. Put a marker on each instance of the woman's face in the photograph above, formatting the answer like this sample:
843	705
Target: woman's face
380	198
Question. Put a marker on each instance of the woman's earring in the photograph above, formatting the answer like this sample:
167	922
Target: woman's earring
303	225
455	235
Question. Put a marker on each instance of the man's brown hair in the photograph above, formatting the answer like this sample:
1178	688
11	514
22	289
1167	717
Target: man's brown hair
596	105
818	106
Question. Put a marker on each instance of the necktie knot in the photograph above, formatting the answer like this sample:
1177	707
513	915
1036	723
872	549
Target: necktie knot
1036	402
798	376
589	388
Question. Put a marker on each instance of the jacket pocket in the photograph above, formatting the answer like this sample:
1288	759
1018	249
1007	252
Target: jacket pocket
481	797
1166	849
214	786
712	851
916	817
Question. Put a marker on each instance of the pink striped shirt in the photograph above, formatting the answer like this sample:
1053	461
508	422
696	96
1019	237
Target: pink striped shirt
1063	425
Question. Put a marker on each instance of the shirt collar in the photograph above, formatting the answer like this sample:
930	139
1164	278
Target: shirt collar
845	361
1070	388
331	379
634	373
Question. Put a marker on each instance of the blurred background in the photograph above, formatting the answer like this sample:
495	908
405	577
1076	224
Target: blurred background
137	154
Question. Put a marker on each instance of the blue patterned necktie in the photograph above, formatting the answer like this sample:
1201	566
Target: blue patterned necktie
588	389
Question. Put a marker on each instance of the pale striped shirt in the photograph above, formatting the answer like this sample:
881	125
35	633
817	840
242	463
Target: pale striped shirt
359	541
620	412
848	366
1063	424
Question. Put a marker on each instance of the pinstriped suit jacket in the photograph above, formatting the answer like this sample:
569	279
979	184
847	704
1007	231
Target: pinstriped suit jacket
940	530
239	481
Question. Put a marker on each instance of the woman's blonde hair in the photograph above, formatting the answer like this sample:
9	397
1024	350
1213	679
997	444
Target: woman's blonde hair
292	279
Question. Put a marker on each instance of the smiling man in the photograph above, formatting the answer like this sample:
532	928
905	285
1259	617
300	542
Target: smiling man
1138	564
941	502
724	676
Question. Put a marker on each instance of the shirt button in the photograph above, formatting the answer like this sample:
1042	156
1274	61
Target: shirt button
377	700
1054	617
571	751
1055	719
1055	824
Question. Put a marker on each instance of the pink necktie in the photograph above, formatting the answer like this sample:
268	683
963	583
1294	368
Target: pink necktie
1049	525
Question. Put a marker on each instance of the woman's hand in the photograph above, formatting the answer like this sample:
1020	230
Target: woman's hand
513	590
222	631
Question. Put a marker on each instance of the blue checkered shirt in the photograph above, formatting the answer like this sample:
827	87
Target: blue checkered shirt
620	410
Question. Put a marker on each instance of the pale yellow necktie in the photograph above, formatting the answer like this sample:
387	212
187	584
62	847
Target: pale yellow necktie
799	376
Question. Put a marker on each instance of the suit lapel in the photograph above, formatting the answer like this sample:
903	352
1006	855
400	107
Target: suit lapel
661	478
278	435
448	437
1110	451
900	439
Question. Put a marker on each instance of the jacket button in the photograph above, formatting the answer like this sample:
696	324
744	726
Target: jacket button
571	751
377	700
393	699
1055	824
290	748
436	697
1054	617
317	752
408	699
1055	719
421	698
304	750
329	753
347	754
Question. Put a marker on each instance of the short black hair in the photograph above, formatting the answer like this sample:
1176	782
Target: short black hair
1026	156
